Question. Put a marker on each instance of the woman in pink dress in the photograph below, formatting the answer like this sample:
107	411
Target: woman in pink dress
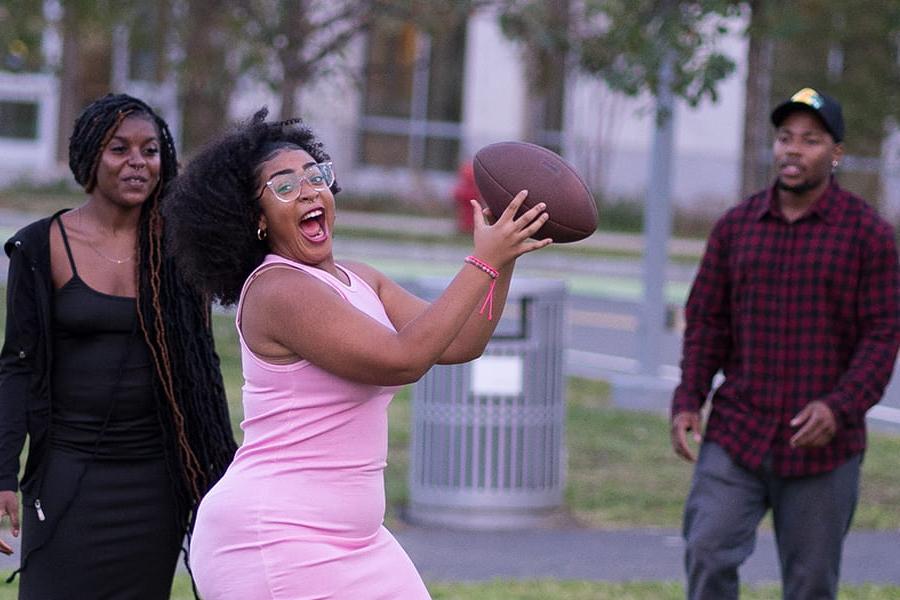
324	346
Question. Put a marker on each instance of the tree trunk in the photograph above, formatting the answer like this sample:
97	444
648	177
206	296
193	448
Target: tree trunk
206	85
535	109
545	64
69	80
755	168
296	28
85	73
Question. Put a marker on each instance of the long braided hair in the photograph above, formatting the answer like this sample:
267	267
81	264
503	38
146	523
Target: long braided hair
174	317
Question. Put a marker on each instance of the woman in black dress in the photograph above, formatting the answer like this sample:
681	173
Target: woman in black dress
109	368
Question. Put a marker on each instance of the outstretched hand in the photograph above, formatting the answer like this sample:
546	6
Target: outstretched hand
502	240
9	506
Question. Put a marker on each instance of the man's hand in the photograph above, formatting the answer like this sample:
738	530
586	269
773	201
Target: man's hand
817	426
9	505
682	423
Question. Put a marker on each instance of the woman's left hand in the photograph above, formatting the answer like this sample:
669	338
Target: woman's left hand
502	240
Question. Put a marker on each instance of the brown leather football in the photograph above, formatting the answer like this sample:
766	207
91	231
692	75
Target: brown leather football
505	168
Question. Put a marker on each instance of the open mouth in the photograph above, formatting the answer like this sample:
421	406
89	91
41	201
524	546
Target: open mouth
790	170
312	226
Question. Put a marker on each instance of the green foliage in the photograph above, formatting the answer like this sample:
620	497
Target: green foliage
295	36
621	215
624	42
847	49
21	26
543	27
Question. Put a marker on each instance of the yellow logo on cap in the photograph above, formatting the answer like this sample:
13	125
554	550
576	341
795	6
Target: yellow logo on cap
809	97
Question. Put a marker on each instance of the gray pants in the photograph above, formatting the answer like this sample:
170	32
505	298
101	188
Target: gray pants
811	516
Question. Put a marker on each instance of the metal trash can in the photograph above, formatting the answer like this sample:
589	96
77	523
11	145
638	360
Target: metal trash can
487	448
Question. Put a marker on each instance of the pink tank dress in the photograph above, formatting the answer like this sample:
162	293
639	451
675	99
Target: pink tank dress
299	513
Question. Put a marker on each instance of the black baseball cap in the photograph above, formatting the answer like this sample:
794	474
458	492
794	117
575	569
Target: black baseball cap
825	107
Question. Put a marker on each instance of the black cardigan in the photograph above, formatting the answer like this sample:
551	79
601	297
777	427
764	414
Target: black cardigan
26	360
26	356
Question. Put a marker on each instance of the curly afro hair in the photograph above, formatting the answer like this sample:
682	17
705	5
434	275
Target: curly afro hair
212	209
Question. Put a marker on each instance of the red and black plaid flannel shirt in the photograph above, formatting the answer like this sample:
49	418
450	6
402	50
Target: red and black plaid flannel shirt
792	312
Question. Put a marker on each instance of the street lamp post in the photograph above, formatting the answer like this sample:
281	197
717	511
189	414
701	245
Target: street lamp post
657	224
646	389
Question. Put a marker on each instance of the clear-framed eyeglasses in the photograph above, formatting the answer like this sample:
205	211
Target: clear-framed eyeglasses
286	187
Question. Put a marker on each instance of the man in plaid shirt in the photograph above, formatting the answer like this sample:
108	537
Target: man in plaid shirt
796	302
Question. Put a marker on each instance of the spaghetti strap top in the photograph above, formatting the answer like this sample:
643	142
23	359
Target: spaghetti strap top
65	239
101	375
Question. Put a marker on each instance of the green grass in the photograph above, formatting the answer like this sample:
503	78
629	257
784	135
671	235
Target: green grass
621	473
41	201
588	590
621	470
879	501
546	589
229	352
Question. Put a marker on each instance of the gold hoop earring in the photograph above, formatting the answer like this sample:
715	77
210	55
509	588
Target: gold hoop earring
261	233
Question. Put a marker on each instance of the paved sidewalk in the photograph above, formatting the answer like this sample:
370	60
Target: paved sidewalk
597	555
437	226
614	555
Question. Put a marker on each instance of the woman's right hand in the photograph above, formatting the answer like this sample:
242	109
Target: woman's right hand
507	238
9	505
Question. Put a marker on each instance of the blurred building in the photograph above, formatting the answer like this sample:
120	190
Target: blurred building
406	109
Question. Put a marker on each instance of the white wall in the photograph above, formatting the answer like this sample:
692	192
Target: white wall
609	138
494	85
31	160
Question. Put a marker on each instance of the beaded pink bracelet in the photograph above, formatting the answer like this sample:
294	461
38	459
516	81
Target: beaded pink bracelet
493	274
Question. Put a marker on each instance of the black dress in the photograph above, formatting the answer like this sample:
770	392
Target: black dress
110	528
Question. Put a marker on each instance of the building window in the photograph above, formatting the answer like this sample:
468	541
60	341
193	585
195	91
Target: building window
413	98
18	120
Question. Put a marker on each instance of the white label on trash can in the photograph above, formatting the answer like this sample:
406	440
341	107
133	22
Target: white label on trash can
497	376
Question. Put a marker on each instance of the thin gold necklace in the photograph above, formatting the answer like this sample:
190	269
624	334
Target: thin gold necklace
116	261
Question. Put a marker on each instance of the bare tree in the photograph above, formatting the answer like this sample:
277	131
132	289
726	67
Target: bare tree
288	44
205	81
543	29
